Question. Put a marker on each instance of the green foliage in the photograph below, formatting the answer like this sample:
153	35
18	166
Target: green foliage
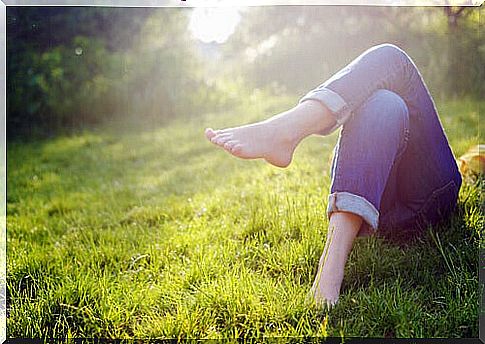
87	79
154	233
63	86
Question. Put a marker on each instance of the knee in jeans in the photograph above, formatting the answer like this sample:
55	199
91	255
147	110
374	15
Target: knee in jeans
388	108
382	118
388	48
390	52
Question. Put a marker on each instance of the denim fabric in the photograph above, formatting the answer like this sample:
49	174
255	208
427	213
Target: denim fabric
392	164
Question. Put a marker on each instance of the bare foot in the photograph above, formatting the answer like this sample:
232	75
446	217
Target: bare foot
276	138
326	287
271	140
342	230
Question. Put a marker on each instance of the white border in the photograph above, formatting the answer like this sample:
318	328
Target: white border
141	3
229	3
3	172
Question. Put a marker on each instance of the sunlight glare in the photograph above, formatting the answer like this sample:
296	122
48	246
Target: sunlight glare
214	24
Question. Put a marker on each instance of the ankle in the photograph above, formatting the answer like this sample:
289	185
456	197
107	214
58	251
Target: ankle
285	129
313	117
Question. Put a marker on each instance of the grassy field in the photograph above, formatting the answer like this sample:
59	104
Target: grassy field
152	232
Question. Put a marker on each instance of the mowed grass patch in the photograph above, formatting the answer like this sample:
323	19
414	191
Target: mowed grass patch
155	233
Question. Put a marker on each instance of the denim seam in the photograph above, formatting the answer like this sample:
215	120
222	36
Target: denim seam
349	202
405	141
404	144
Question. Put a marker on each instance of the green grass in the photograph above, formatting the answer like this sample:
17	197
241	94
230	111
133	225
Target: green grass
152	232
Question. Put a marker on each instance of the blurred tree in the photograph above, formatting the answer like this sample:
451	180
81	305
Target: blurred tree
453	13
74	66
297	47
57	60
463	45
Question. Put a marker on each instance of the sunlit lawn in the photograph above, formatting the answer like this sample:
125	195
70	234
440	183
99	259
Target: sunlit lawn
155	233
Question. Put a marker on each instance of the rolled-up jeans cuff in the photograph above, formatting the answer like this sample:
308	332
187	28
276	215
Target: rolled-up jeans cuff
349	202
334	102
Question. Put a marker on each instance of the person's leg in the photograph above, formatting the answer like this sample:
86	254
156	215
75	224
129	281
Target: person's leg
370	144
342	229
427	172
381	67
426	181
397	178
276	138
369	147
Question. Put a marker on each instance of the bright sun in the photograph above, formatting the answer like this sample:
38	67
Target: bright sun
214	24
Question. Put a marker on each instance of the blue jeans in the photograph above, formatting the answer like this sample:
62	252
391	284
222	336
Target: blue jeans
392	164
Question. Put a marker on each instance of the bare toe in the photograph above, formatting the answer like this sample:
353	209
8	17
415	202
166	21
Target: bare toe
256	141
229	144
236	149
210	133
331	304
221	139
219	135
326	304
